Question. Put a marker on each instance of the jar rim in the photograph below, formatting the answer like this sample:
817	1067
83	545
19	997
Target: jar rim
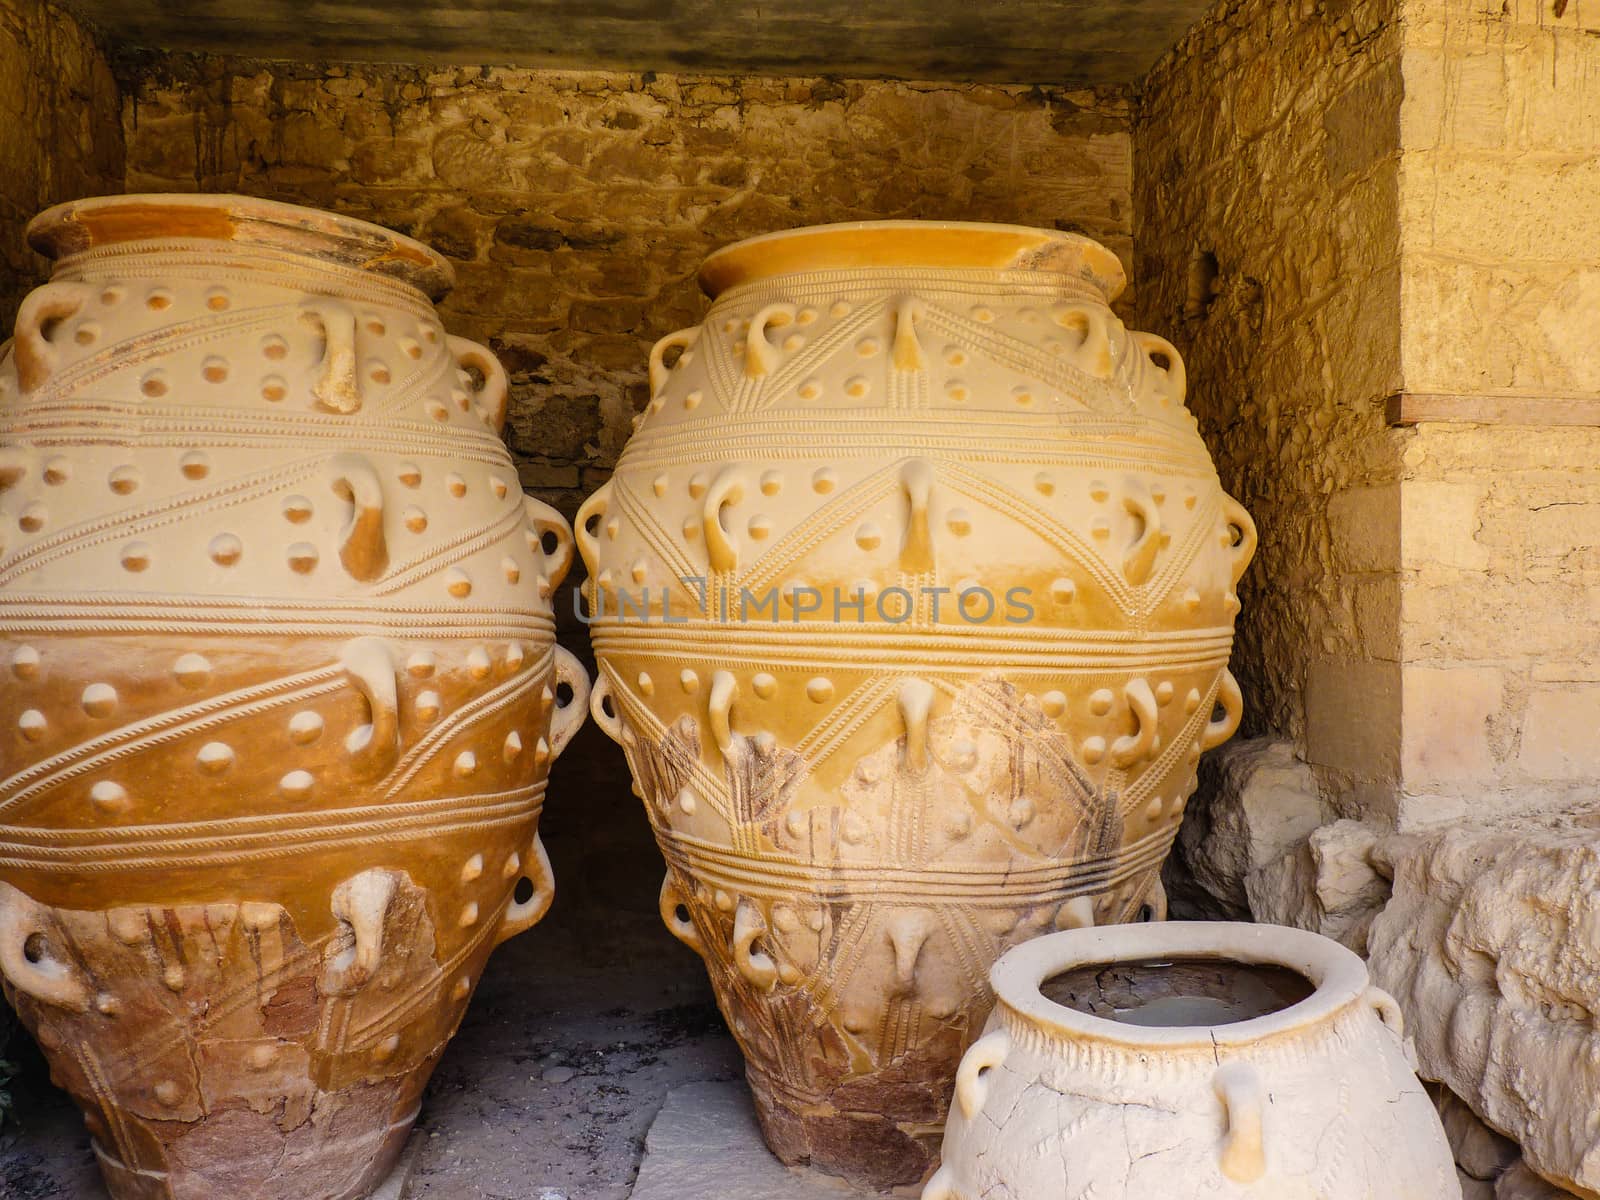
98	221
1337	974
911	244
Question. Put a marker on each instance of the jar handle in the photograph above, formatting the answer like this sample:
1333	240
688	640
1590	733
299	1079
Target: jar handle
599	696
1388	1010
760	355
1244	1156
45	978
370	666
337	388
757	967
496	391
546	521
592	510
1245	548
36	356
670	900
525	914
1232	701
1150	345
568	718
362	549
682	339
1134	747
728	489
972	1076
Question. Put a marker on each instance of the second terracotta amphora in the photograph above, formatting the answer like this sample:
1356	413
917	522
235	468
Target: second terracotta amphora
913	596
281	688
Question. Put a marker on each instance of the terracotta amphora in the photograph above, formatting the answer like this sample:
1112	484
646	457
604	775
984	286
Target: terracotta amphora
1191	1061
280	687
913	595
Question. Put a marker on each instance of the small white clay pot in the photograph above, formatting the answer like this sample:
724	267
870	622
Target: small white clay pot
1188	1060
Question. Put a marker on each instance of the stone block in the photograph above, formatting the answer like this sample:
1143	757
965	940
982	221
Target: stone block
1439	524
1353	713
1446	715
1491	944
1365	525
1561	733
1256	800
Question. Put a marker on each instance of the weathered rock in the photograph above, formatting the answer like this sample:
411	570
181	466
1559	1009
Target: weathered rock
1519	1183
1327	884
1256	800
1479	1151
1491	944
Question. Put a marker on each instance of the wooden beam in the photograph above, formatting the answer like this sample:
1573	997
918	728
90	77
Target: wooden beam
1411	408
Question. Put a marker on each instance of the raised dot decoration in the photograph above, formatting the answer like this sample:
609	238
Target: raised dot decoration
296	785
25	662
225	549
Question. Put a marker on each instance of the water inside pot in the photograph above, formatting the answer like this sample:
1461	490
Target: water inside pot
1178	992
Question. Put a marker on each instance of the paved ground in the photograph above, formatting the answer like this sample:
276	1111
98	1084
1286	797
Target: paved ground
578	1031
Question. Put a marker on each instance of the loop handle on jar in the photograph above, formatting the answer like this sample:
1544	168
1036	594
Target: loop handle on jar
35	354
682	928
568	718
27	957
972	1076
681	339
525	914
547	522
1243	1095
496	390
1232	701
610	723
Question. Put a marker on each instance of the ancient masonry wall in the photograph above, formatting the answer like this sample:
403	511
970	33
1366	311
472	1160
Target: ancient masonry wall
62	137
1267	235
577	206
1500	523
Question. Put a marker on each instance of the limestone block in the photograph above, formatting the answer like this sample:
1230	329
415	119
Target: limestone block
1353	711
1445	735
1558	733
1327	884
1438	525
1491	944
1519	1183
1256	800
1480	1152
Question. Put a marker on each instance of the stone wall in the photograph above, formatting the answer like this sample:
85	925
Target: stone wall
1268	243
1500	545
577	206
61	138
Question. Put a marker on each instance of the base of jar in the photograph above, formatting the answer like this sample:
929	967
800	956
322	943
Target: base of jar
324	1174
865	1148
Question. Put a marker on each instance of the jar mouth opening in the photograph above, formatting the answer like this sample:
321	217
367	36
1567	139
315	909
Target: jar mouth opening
97	222
1178	983
947	245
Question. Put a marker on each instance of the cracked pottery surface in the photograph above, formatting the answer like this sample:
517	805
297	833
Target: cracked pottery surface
862	807
1313	1101
281	687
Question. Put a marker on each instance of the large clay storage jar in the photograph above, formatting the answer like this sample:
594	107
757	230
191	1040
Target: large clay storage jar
866	787
1190	1061
280	687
